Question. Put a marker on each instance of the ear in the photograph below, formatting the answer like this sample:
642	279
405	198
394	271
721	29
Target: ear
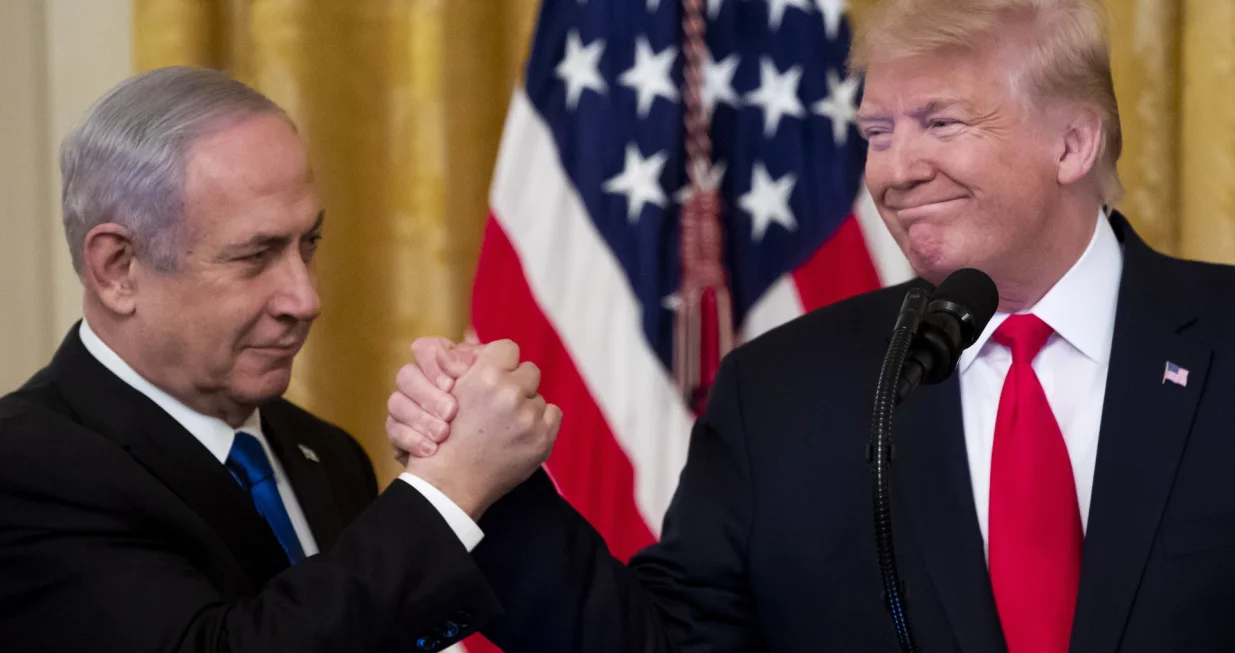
108	262
1082	141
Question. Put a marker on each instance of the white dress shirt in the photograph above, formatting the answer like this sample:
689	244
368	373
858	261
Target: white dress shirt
217	436
1072	368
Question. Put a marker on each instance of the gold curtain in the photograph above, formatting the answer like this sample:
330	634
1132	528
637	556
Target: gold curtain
1174	67
402	103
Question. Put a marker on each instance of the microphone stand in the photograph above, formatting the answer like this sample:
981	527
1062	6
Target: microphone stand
880	453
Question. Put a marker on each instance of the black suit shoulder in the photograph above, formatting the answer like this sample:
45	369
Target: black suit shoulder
1208	289
114	515
833	334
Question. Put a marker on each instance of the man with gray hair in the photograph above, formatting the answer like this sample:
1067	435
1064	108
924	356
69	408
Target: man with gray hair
156	493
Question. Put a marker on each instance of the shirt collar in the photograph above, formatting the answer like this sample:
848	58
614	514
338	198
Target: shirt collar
214	434
1080	308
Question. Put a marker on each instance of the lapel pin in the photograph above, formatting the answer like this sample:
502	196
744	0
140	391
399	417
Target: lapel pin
312	455
1175	374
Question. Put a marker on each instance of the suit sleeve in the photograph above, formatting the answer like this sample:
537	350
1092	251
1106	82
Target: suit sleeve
563	591
86	563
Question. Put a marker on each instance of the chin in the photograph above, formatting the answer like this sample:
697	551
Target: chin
932	266
259	389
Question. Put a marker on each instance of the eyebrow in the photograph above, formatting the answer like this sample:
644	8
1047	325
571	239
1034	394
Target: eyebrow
918	113
263	240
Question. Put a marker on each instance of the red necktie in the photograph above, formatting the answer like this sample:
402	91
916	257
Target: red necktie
1035	523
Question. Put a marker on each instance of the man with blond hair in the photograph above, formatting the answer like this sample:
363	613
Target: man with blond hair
1066	489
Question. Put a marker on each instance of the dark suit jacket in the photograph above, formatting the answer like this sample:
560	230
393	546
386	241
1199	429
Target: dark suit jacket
769	546
120	532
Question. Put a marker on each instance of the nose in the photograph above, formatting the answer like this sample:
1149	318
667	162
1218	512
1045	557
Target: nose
297	296
903	161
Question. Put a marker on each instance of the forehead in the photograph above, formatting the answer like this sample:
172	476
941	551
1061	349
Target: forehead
970	78
251	172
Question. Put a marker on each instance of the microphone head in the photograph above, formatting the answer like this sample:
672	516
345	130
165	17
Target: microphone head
972	297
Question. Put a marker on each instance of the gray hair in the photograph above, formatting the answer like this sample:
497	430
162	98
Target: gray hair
125	162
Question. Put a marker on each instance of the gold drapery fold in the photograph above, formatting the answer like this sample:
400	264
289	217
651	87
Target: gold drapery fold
1207	139
402	104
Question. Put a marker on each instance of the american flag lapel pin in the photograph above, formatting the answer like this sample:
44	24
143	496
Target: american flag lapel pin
312	455
1175	374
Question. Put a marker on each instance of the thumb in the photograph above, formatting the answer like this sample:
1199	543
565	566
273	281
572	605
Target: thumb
455	362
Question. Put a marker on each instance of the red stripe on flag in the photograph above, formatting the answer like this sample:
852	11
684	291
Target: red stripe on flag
588	465
841	268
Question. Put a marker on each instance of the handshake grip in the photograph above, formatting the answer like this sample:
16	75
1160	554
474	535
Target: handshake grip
470	420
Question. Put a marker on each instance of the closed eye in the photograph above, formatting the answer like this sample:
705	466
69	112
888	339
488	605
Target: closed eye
256	257
309	246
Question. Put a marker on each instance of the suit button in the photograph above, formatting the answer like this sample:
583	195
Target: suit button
427	644
462	618
451	630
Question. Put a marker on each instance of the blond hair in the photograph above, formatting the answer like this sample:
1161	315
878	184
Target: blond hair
1067	47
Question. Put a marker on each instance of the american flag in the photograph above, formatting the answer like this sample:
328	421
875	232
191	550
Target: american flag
581	255
1175	374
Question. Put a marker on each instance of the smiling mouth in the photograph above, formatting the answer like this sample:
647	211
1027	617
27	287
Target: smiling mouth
283	350
926	208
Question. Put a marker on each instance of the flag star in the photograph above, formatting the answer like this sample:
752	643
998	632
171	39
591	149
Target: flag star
639	181
579	69
832	11
718	81
776	10
710	182
777	94
768	201
653	5
649	76
839	105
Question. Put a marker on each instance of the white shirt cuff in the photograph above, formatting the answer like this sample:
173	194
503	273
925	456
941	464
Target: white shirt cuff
465	529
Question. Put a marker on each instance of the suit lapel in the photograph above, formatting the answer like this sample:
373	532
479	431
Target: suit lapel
1145	425
932	469
308	477
112	408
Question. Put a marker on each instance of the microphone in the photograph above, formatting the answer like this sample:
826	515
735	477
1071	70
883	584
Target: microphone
953	319
929	336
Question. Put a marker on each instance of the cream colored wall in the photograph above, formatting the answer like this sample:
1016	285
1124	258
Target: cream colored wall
56	57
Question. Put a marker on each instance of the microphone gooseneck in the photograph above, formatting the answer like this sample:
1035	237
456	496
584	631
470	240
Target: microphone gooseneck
929	334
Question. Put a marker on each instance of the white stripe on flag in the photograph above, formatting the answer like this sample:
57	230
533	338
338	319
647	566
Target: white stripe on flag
779	304
585	295
890	263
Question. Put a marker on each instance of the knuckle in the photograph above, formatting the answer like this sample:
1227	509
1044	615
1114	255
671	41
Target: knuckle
509	347
508	397
407	377
491	376
533	373
425	347
525	420
429	426
402	436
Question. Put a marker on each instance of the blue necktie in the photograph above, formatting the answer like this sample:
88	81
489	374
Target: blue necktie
249	464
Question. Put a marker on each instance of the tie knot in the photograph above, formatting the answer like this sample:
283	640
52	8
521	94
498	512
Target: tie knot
247	460
1025	335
